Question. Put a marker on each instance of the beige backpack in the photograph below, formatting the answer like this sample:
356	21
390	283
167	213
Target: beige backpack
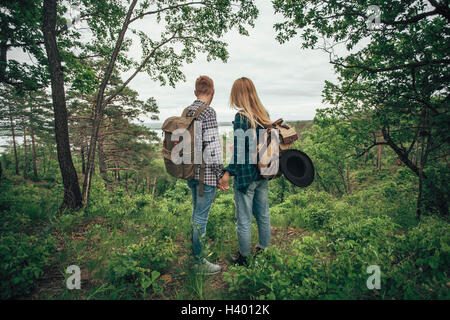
183	170
269	153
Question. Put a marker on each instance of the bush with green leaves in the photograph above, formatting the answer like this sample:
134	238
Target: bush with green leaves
221	217
139	265
23	259
421	267
274	274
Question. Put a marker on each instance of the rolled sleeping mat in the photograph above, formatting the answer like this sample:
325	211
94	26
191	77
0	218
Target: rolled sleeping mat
297	167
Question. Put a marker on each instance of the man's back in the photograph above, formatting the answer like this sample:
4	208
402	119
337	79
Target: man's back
211	143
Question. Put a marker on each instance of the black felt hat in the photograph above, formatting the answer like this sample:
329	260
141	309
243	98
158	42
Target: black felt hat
297	167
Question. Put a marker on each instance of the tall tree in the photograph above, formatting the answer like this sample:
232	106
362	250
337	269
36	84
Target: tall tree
395	72
9	113
72	195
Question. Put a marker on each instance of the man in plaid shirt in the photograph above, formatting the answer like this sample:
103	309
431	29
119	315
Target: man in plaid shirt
212	149
213	171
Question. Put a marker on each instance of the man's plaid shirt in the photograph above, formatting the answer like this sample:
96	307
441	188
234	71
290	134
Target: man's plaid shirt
211	141
244	173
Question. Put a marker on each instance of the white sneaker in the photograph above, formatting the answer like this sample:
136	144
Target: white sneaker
206	267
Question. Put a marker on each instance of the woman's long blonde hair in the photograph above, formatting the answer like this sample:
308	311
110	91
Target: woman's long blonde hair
244	98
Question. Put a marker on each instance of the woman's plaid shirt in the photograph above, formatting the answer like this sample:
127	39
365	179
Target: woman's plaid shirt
211	141
244	173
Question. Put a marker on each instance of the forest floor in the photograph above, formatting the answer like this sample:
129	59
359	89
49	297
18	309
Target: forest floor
319	241
180	282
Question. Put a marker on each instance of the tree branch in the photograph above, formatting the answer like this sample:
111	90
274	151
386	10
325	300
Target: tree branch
164	9
141	66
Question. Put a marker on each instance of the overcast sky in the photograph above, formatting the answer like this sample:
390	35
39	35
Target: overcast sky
289	80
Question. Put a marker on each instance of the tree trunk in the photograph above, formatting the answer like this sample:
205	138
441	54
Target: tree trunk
147	179
33	155
341	173
136	186
83	163
415	154
419	196
72	195
379	139
25	164
101	161
349	185
153	189
126	181
16	160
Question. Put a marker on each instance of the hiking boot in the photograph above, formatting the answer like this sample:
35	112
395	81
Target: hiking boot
258	250
208	268
240	260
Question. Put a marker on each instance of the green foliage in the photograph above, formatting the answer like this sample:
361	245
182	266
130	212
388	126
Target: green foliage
334	267
276	275
141	264
421	267
382	95
132	245
23	259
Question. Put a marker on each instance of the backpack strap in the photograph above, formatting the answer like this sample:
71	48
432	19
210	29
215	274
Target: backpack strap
199	110
201	166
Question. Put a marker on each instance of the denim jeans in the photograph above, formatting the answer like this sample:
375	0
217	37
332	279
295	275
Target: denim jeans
254	201
200	214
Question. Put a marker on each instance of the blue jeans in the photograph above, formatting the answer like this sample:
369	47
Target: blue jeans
254	201
200	214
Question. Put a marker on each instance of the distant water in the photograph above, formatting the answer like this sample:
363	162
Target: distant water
7	141
222	130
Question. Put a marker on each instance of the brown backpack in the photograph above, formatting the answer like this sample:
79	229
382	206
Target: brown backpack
183	170
267	149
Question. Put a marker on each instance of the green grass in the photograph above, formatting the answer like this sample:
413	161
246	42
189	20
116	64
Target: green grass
130	248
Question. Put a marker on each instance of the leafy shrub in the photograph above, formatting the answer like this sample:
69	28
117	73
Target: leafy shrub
221	217
309	209
361	228
70	221
421	266
99	200
140	265
22	261
277	275
142	200
36	203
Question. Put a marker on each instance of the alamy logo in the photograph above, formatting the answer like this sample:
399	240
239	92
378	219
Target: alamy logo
264	149
374	281
74	281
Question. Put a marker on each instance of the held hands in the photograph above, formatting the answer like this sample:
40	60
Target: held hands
223	182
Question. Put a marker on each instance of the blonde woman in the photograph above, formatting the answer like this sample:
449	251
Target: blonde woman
250	188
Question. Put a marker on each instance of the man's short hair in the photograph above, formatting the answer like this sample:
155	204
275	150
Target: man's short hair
204	85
